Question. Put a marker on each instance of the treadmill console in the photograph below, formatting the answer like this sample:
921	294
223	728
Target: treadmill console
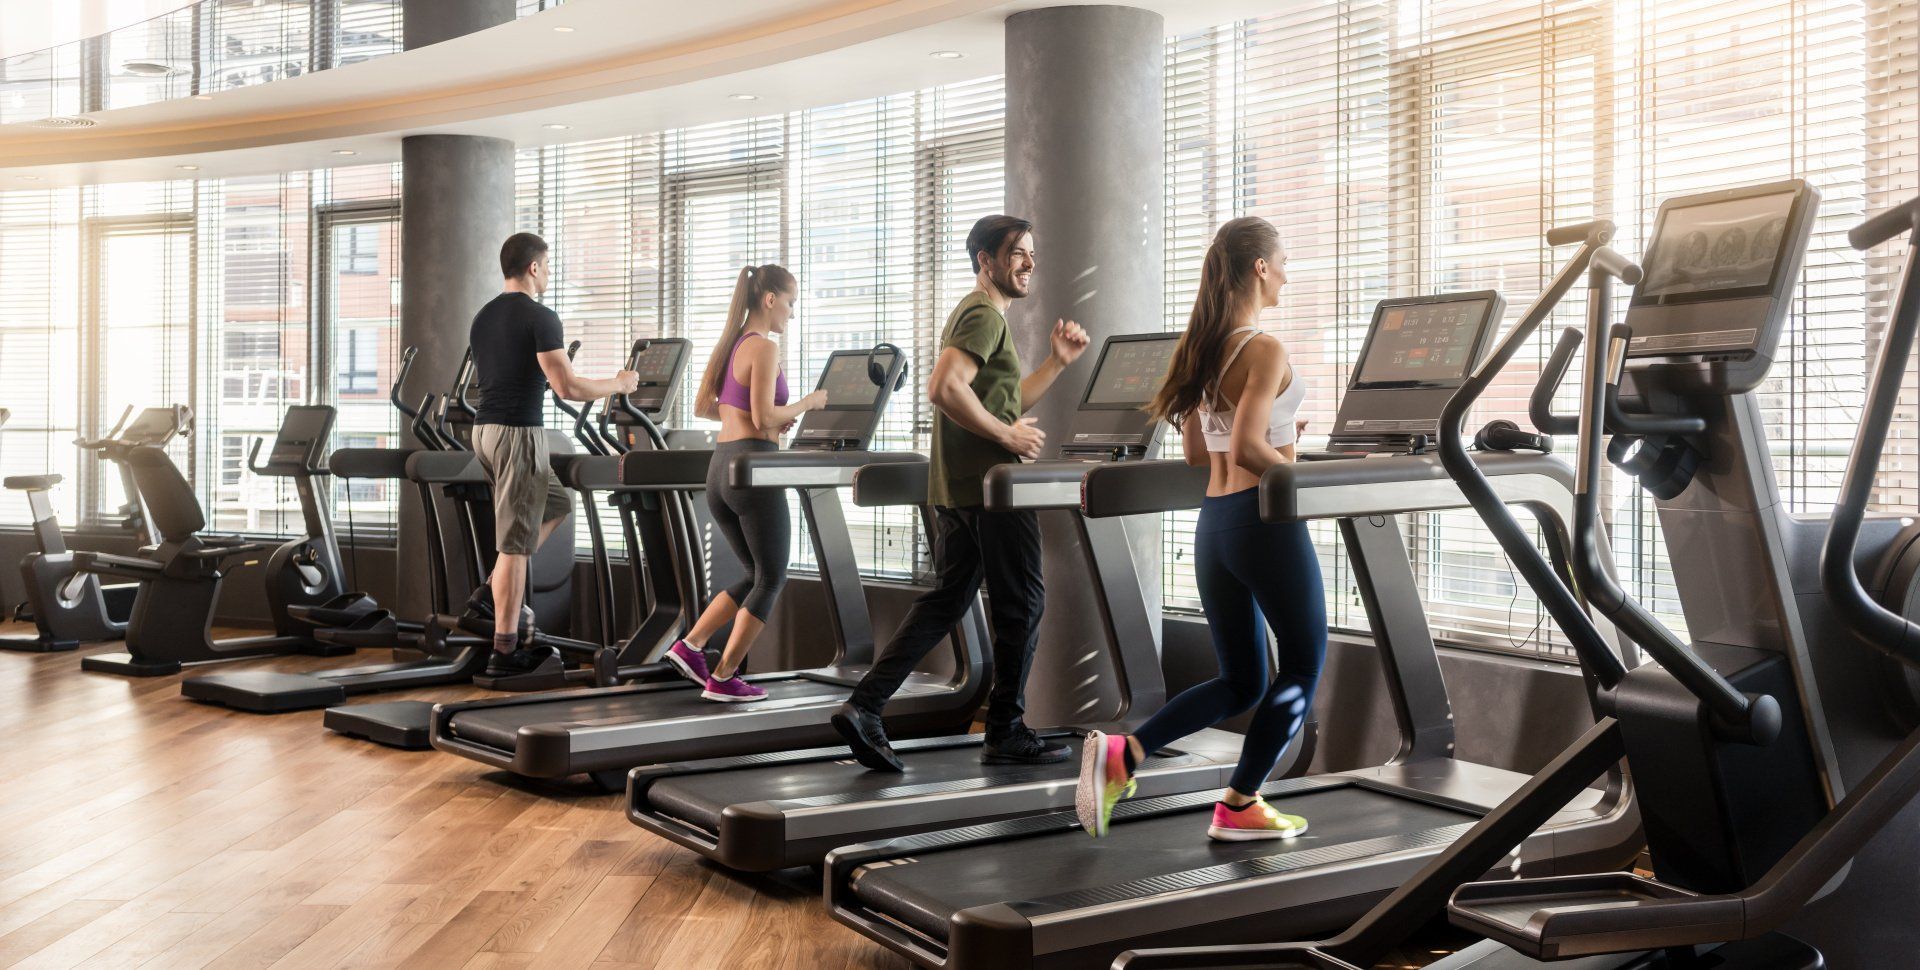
1418	350
1110	424
660	366
1720	270
854	402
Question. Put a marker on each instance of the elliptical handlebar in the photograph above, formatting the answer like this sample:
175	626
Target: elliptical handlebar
1540	404
579	414
1555	591
1884	629
1901	218
400	382
97	444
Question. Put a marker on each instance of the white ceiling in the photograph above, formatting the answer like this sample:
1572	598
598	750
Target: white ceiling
627	66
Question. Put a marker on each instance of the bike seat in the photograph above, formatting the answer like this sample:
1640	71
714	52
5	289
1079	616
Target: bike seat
31	483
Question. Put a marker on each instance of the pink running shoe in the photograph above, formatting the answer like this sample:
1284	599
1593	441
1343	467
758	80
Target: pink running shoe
691	663
733	690
1254	820
1104	781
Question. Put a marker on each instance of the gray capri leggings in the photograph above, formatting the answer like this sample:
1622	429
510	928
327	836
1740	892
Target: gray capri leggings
755	523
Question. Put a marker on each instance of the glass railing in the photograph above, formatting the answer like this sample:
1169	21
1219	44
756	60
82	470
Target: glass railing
202	49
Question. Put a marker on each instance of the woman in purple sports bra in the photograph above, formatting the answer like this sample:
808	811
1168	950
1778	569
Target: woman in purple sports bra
746	390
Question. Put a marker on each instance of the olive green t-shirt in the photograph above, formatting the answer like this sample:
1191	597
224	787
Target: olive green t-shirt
961	457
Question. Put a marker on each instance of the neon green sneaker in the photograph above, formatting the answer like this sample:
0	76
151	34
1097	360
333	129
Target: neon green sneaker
1254	820
1104	781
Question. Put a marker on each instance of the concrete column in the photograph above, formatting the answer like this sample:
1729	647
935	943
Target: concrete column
1086	127
456	208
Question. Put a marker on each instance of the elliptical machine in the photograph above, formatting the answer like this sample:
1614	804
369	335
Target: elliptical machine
179	585
67	606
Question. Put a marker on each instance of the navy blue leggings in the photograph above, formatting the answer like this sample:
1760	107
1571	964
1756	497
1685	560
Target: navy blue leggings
1248	569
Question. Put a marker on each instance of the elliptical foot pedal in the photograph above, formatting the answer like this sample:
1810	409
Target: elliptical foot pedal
550	675
397	724
126	665
263	691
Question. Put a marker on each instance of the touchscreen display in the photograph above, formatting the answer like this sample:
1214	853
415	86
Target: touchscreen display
1423	342
1130	372
847	384
1703	249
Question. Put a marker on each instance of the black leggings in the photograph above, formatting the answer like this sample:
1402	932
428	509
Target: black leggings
756	525
1248	569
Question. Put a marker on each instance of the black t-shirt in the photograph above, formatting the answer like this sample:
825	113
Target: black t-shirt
508	334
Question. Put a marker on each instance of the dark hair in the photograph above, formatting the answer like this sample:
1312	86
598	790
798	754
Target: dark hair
518	253
1196	359
991	233
754	283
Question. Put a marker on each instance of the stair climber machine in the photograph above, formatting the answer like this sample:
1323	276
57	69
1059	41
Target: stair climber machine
1036	892
405	724
173	611
773	811
604	731
67	606
1763	762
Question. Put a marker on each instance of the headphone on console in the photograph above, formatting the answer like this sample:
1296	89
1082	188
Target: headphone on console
1504	435
877	371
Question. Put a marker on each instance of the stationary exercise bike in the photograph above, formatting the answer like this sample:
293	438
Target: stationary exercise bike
70	607
180	582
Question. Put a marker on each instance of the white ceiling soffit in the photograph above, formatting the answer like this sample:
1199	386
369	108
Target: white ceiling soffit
523	80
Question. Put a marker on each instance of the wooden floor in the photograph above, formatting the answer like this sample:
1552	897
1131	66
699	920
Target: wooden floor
139	829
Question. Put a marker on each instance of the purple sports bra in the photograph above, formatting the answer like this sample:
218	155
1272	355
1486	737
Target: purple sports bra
735	394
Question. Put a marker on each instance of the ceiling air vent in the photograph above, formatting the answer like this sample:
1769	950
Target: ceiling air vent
58	122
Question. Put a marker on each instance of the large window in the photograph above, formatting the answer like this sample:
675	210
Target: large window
1402	146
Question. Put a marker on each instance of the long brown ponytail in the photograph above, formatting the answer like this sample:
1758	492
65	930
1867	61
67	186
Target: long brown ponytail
1197	358
754	284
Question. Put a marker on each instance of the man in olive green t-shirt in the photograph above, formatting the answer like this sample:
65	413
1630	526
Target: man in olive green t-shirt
979	397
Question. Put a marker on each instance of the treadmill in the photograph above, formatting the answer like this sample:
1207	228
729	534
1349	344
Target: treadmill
451	657
1037	892
766	812
1742	739
603	732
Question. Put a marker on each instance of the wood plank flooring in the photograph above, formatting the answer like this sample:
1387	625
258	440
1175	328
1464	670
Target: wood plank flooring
140	829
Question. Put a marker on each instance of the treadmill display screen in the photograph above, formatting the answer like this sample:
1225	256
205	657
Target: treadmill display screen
846	383
657	366
1716	250
1129	372
1424	342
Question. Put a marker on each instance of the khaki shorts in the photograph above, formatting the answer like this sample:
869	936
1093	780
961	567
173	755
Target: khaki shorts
526	492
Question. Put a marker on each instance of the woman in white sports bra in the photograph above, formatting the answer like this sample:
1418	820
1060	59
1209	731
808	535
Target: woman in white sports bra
1235	397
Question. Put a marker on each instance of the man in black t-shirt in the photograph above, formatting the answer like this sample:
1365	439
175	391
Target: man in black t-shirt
518	350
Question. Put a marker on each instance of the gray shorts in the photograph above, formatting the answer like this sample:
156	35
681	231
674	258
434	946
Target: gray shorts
526	492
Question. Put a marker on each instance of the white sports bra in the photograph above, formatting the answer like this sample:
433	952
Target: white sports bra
1216	422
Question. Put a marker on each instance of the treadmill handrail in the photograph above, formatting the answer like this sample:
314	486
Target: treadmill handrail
892	483
743	468
999	487
659	470
1554	590
1142	487
1885	630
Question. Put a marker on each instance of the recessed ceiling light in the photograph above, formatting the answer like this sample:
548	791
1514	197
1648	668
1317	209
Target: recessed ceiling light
563	30
203	97
345	151
29	178
557	127
746	97
188	168
948	55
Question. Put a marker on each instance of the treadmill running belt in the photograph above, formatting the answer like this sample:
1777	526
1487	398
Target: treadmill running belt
925	892
499	726
700	798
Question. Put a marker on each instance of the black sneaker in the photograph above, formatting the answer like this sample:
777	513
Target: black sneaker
1020	746
523	660
864	733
